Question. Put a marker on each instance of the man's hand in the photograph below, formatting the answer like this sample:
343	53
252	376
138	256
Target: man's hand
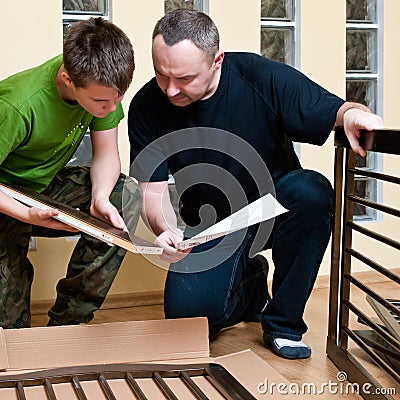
354	120
169	240
45	218
103	209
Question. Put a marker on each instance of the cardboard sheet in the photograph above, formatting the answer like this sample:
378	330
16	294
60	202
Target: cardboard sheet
134	341
179	341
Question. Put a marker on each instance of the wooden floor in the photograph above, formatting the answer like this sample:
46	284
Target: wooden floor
316	370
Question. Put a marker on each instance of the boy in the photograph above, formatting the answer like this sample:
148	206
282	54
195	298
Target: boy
44	114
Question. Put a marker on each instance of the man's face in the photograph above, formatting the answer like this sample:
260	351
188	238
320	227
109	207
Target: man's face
96	99
184	72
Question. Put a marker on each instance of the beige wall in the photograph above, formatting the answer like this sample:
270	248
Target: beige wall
37	35
30	34
323	60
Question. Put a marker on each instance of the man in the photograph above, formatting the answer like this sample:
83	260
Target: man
195	119
44	114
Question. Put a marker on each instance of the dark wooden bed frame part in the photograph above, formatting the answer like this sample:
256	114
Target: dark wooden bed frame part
219	377
85	222
383	141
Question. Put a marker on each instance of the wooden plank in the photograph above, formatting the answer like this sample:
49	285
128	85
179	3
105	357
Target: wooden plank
379	140
386	317
3	351
82	221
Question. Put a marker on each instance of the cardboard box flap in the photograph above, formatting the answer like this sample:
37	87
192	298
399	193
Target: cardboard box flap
134	341
251	372
96	347
3	351
257	376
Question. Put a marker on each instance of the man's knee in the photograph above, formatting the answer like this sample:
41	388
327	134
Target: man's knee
187	300
306	191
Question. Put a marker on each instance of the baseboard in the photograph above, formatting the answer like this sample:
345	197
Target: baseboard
157	297
112	301
367	277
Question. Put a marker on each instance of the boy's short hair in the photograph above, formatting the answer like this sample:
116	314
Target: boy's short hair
186	24
97	51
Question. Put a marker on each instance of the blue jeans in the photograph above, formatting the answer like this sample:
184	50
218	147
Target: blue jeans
218	279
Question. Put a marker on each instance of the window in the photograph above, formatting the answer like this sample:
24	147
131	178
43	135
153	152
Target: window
364	83
170	5
74	11
278	33
199	5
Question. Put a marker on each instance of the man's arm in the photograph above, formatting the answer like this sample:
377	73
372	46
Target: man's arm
104	173
354	117
159	215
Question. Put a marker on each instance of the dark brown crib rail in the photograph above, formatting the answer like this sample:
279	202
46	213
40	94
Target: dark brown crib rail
343	281
220	379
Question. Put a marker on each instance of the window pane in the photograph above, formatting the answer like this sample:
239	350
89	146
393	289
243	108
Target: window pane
361	162
170	5
85	6
175	201
361	10
277	44
369	162
362	91
277	9
360	190
83	154
67	23
366	189
361	50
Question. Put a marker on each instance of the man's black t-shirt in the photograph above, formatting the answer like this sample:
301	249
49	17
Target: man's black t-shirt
258	109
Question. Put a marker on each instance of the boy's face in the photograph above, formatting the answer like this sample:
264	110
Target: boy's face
96	99
184	72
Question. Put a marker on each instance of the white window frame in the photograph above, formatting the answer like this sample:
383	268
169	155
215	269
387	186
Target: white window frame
204	7
80	16
77	16
295	25
374	160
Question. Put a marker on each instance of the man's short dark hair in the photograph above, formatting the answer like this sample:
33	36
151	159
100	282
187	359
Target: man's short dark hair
185	24
97	51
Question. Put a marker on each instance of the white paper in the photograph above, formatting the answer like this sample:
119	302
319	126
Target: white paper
265	208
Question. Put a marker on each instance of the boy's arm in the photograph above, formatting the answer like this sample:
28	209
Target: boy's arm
31	215
104	173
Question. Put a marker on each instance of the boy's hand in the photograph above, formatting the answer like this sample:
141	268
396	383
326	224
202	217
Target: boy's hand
45	218
103	209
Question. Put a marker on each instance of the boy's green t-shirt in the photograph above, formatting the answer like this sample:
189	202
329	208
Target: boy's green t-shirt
39	132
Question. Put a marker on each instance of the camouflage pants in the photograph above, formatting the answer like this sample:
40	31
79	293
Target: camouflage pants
93	264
